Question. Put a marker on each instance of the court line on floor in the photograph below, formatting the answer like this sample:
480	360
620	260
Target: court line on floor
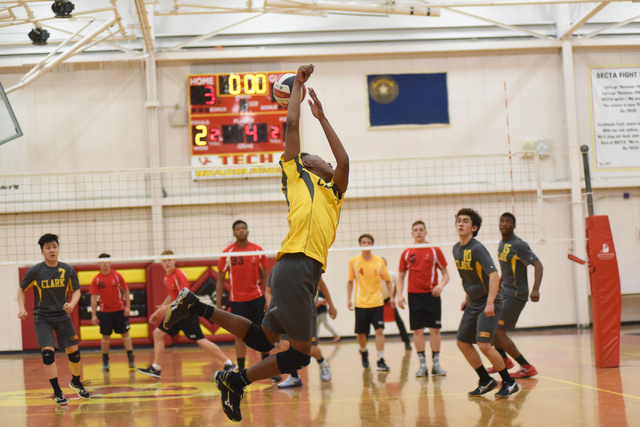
590	387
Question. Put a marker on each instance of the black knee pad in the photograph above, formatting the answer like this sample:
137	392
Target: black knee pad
48	357
291	360
257	340
74	357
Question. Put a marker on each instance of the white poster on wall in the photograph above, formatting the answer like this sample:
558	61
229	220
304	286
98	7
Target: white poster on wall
615	117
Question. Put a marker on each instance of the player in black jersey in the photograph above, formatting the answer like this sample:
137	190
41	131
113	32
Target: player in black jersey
514	255
482	305
53	283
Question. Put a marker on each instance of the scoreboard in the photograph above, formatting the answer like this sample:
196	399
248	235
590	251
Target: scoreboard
235	120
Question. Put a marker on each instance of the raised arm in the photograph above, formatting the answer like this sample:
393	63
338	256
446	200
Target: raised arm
341	174
292	137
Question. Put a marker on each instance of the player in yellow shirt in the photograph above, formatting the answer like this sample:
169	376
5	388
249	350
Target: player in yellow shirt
366	270
314	192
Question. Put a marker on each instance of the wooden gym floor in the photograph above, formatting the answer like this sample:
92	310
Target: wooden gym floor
568	391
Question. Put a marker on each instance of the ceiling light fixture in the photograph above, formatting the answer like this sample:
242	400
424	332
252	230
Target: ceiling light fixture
39	36
62	8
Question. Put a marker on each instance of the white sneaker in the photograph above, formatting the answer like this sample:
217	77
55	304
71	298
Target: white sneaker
291	382
325	372
422	371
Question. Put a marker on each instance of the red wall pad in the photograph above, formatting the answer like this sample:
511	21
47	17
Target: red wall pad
606	300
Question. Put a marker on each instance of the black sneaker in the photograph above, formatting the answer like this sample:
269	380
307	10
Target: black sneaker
276	379
365	359
180	308
82	392
230	398
483	388
507	390
60	399
383	366
150	371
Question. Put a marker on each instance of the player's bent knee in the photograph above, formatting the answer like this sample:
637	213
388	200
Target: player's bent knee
257	340
48	357
292	360
74	357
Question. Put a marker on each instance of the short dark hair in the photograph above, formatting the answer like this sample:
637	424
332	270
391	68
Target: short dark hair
233	227
476	219
303	155
367	235
103	255
509	215
47	238
418	222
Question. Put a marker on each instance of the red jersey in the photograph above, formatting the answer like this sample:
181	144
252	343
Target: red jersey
110	288
423	265
175	282
244	272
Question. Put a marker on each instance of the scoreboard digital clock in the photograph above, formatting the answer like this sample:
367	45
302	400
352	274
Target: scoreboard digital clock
235	120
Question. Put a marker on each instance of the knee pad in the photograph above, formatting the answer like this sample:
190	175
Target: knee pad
74	357
291	360
48	357
257	340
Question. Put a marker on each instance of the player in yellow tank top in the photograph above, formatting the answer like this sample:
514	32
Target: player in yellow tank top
314	191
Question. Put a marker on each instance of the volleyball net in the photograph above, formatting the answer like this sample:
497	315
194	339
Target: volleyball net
136	214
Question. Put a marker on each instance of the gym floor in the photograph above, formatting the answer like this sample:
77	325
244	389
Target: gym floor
568	391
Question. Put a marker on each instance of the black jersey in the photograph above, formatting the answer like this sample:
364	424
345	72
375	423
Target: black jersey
474	265
52	287
514	256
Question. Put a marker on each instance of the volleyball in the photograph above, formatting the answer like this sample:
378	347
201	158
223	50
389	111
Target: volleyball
283	87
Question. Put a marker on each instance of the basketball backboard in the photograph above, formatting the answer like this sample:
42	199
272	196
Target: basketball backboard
9	127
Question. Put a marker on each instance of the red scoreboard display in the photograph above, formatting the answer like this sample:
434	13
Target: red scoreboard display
234	120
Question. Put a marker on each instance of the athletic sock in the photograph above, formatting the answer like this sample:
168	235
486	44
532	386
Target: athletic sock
201	309
380	355
484	375
294	374
56	388
156	367
422	358
320	361
241	363
76	380
364	350
240	381
130	355
506	378
522	361
435	355
105	358
502	353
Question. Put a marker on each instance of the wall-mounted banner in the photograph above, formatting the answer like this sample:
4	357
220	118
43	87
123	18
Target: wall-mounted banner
408	100
615	117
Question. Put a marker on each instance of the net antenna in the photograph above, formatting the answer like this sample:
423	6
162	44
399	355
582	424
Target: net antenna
9	127
506	109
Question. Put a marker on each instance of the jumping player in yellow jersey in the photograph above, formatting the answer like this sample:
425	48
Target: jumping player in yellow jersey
314	192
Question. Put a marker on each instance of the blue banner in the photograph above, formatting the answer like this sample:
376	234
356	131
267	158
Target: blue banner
408	99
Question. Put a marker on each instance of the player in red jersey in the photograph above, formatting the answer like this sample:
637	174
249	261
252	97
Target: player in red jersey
424	290
115	306
247	277
176	280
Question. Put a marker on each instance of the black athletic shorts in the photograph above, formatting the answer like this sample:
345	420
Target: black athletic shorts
369	316
252	310
425	311
190	326
510	314
314	333
113	321
475	326
63	327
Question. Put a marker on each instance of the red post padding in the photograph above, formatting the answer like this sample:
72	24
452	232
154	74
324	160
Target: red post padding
389	313
606	300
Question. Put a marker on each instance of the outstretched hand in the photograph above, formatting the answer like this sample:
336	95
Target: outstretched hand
304	72
316	106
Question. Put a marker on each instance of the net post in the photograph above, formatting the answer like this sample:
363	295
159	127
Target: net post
587	178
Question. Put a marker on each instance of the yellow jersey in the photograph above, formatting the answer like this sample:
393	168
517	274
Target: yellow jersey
314	211
366	275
